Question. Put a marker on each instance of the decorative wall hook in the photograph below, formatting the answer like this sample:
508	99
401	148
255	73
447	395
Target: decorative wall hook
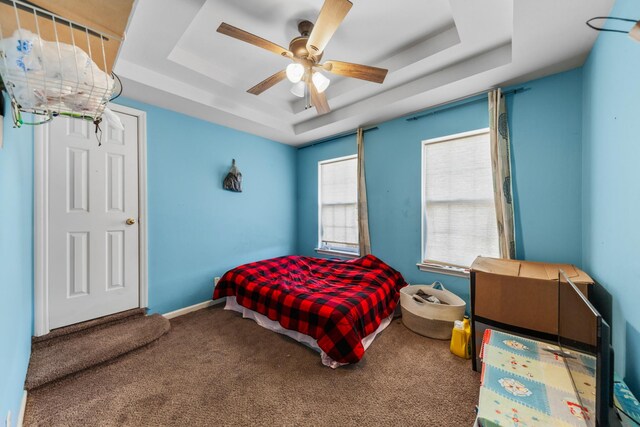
634	32
233	180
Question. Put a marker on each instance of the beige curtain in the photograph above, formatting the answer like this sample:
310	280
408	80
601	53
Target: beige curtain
501	167
364	241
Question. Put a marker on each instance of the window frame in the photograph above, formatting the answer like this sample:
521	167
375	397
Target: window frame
319	249
425	264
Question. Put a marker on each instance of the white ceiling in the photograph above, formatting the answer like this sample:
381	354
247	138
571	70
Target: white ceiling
436	51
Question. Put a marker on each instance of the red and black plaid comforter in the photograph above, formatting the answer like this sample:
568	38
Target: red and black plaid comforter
336	302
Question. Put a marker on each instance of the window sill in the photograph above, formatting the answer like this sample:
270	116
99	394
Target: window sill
340	254
444	269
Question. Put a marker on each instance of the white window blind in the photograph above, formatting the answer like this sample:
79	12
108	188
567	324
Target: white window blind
338	209
460	217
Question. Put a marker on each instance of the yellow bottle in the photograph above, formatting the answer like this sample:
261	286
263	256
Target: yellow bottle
467	333
460	338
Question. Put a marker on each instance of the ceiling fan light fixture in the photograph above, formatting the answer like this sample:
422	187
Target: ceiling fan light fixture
295	72
298	89
320	81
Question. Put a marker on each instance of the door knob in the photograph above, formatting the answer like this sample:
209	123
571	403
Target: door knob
131	221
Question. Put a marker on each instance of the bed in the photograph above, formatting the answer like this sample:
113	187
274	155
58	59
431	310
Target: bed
336	307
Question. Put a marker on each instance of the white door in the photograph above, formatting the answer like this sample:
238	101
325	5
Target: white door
93	220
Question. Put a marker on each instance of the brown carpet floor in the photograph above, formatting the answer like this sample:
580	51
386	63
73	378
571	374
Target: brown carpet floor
214	368
83	349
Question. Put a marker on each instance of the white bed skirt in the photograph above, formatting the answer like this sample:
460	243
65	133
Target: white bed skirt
307	340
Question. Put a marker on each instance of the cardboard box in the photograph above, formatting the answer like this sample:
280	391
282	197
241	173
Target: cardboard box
523	294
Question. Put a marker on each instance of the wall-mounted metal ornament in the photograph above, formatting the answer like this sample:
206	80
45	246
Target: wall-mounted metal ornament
233	180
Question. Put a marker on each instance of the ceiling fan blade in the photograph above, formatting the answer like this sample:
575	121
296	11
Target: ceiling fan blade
237	33
357	71
330	18
319	100
268	82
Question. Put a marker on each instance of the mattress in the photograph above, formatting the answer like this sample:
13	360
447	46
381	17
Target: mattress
274	326
336	303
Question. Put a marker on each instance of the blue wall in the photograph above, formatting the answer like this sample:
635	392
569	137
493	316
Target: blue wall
611	175
16	263
546	134
197	230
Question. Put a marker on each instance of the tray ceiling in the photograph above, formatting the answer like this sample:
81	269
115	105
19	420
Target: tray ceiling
435	51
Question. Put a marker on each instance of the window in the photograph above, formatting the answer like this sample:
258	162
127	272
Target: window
338	205
459	216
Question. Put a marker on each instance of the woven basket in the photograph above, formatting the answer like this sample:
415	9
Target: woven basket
429	319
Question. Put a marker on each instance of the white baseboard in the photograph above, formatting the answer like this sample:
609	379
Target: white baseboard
195	307
23	406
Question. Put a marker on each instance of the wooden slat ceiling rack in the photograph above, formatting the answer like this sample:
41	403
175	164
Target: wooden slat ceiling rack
109	17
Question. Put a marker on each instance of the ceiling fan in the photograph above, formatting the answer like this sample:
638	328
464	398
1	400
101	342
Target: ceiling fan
305	52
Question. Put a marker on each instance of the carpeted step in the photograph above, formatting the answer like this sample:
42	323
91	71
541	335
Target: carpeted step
59	357
94	323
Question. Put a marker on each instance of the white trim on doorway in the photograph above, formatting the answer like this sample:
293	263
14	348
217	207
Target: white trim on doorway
41	225
41	230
